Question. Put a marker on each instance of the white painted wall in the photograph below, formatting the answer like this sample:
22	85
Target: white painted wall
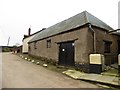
25	44
119	59
97	59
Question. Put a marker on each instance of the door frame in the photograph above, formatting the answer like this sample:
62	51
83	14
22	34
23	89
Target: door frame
71	41
118	42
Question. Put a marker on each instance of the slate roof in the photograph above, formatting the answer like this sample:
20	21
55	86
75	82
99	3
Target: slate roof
71	23
116	33
27	36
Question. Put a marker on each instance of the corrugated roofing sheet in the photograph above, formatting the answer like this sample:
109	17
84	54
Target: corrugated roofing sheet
70	23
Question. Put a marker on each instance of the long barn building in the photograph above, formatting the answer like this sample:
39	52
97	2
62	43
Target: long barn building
71	41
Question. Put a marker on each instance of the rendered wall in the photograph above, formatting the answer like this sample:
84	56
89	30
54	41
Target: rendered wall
25	44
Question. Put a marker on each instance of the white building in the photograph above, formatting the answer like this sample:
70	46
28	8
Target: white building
27	38
25	44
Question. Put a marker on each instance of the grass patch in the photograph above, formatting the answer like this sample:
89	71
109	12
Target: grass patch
111	72
50	64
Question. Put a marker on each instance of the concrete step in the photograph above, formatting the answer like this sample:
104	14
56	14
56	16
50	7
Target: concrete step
107	79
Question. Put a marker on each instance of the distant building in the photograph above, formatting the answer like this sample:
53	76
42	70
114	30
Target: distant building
26	39
14	49
71	41
17	49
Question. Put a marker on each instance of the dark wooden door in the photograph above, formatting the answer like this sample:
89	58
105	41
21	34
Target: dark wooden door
118	46
66	53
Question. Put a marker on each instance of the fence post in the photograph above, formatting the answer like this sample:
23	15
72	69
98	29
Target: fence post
96	61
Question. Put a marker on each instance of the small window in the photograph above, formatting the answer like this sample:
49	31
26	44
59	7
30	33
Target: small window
48	43
35	46
107	46
29	48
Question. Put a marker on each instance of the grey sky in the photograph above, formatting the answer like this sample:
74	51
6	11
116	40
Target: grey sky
17	15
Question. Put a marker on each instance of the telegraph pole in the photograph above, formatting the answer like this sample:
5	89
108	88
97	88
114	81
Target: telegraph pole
8	41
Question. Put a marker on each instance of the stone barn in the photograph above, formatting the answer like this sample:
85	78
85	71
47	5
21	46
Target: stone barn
71	41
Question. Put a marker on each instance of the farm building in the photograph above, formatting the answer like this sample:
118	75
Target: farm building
26	39
71	41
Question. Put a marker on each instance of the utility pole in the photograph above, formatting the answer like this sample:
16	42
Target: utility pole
8	41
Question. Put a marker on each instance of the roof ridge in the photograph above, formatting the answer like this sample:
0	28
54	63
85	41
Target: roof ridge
70	23
96	21
86	17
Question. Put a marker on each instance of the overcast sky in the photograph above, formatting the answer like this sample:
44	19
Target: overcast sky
16	16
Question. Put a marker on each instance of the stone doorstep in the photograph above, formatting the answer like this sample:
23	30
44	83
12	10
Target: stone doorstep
116	81
92	77
105	79
109	74
102	79
73	74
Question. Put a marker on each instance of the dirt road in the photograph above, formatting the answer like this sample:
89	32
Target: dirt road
18	73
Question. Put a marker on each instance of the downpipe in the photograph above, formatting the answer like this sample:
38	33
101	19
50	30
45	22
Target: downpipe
94	38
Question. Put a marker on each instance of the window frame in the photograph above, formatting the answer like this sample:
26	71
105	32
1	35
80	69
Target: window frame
35	45
49	43
107	46
29	48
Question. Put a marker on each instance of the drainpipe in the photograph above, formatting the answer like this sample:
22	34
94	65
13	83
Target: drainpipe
94	38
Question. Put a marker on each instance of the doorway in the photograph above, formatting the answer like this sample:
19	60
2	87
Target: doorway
66	53
118	46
